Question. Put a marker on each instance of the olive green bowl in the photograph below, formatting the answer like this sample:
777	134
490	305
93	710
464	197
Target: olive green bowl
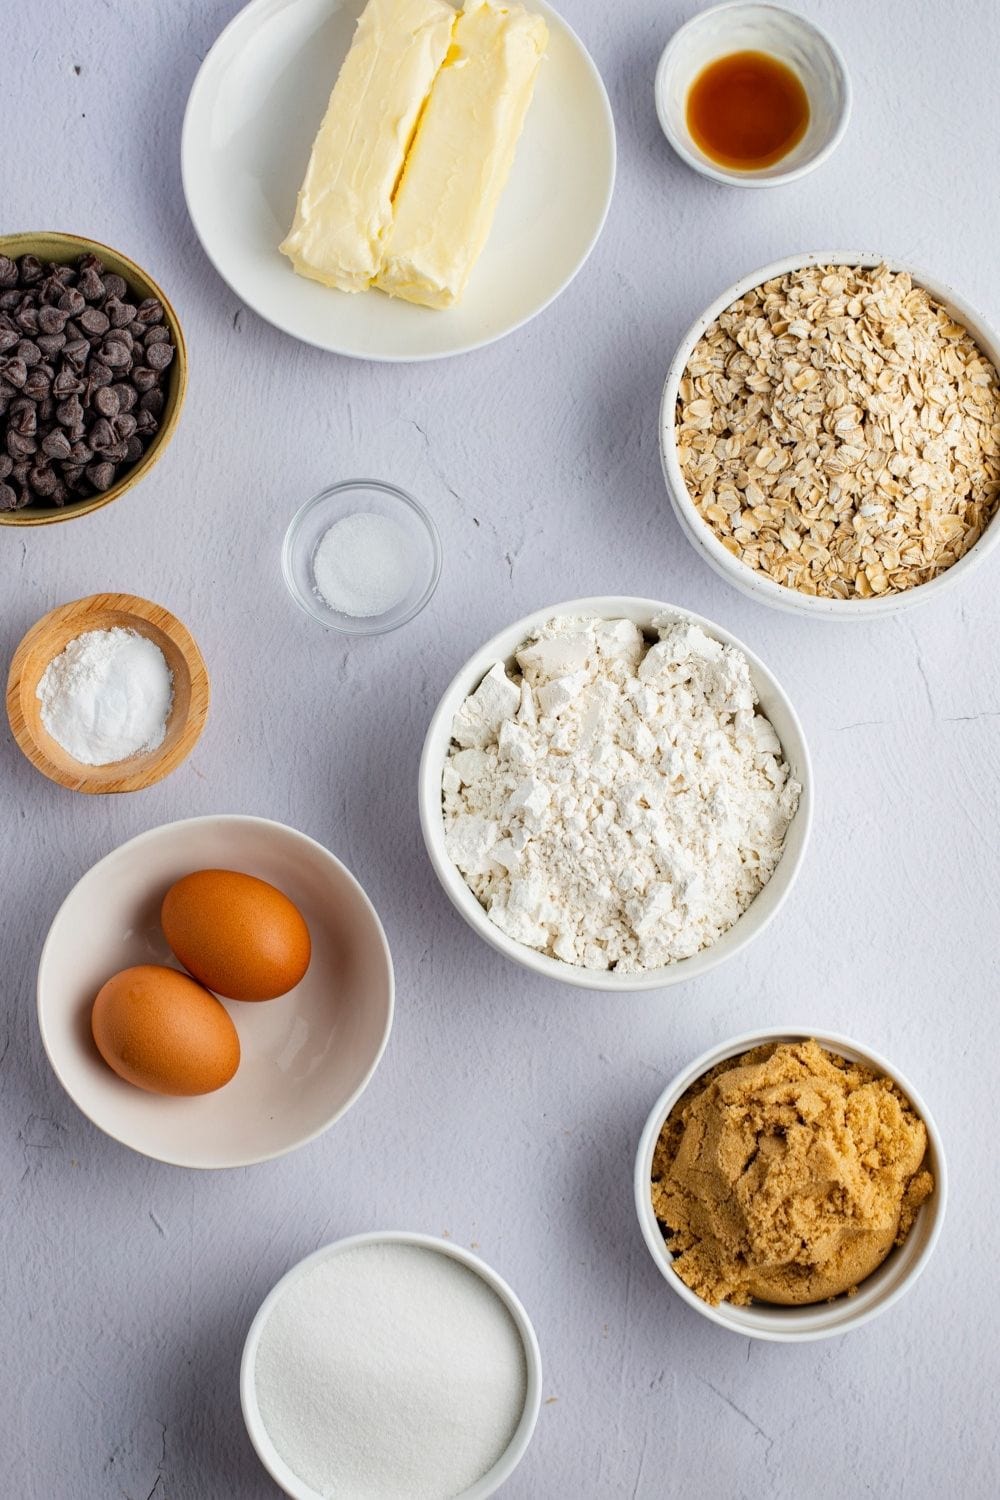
64	249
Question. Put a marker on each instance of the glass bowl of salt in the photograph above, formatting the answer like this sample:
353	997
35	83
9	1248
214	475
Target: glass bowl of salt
361	557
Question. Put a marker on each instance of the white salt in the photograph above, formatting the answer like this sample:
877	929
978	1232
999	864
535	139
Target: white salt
362	565
390	1372
107	696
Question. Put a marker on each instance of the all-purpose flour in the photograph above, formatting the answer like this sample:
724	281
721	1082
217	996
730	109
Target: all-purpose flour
618	804
390	1372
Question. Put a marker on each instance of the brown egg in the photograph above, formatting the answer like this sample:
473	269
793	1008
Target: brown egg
163	1032
236	934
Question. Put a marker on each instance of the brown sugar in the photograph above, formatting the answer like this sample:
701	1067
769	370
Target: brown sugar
787	1175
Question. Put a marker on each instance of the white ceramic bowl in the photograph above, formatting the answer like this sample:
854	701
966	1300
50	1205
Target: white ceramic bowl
306	1057
748	580
820	1320
251	117
774	703
739	27
505	1465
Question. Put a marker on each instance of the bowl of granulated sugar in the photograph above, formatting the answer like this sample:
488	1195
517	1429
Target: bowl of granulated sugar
361	557
391	1365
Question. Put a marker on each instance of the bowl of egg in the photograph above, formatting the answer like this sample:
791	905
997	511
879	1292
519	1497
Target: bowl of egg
215	992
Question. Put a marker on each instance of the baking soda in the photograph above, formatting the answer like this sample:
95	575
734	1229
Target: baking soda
107	696
362	565
390	1372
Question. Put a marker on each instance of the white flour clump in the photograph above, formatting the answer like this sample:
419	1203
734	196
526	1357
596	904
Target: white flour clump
617	804
390	1372
107	696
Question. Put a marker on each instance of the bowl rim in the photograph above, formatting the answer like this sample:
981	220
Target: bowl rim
749	581
146	837
155	764
20	243
294	527
767	1321
731	176
432	759
512	1455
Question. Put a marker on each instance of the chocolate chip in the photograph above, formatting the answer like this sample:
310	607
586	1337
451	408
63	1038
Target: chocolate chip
72	302
116	353
149	311
30	270
94	321
106	401
51	319
42	480
81	453
72	476
14	371
156	335
153	401
10	300
67	383
159	356
38	383
124	427
91	285
20	447
8	497
29	351
70	413
127	396
50	343
76	352
142	378
146	424
99	374
101	476
23	418
115	286
8	338
116	452
8	271
56	444
133	450
27	320
119	313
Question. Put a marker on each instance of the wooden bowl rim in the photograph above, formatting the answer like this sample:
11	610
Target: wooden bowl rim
155	764
26	242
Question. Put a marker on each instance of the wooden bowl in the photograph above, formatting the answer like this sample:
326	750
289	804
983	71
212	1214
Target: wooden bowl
65	249
51	635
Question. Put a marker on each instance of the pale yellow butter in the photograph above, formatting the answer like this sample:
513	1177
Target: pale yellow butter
345	203
462	153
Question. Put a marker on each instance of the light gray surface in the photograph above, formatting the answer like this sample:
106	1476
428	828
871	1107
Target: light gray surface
507	1109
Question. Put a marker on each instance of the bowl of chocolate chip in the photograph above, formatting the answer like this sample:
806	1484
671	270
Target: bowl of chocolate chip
93	370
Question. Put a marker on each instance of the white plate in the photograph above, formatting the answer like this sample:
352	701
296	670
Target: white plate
253	112
305	1057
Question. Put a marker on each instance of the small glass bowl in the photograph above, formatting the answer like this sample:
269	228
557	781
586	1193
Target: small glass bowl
314	519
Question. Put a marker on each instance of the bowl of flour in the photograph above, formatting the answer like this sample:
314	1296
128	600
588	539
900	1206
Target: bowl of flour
616	793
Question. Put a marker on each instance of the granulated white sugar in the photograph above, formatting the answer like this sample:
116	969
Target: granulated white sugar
362	565
390	1372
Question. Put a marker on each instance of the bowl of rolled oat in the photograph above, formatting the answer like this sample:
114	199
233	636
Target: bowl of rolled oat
830	435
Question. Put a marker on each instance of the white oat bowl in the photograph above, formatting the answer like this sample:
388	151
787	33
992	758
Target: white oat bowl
783	34
772	701
750	580
820	1320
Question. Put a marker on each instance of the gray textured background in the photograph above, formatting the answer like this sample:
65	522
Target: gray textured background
507	1109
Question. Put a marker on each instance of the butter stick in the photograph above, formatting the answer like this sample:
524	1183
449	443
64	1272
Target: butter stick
345	203
462	153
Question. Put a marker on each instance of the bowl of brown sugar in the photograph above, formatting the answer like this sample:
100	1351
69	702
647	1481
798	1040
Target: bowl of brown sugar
790	1185
830	436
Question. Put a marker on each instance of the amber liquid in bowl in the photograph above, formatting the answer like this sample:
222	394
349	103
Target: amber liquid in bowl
747	110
